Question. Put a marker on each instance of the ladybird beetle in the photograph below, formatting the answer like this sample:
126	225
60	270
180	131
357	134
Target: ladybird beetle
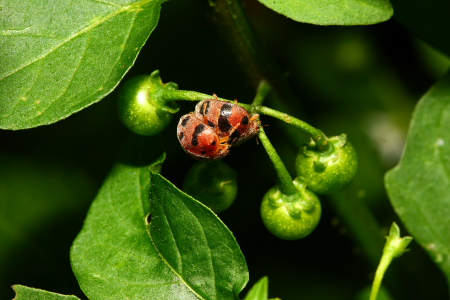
231	119
200	140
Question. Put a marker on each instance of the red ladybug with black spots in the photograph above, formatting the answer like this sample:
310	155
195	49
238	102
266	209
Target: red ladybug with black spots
216	125
231	119
200	140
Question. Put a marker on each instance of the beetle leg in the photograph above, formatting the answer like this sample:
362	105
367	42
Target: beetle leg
224	140
254	117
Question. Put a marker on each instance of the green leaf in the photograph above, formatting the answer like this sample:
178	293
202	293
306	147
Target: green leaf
419	186
59	57
26	293
426	19
259	291
113	257
196	245
332	12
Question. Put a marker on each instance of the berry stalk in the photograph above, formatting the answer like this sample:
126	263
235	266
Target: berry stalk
263	90
395	247
285	183
184	95
319	138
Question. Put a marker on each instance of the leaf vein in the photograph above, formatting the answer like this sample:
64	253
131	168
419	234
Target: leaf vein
127	38
170	266
73	75
210	257
36	77
69	82
79	33
106	2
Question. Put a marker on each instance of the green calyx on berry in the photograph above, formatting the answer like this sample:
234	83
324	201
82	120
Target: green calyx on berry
291	217
328	171
141	105
212	183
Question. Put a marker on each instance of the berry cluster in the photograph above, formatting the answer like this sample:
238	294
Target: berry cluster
290	210
214	126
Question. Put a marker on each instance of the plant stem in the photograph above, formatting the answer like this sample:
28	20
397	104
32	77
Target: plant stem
263	89
285	183
317	135
320	140
178	95
382	267
395	247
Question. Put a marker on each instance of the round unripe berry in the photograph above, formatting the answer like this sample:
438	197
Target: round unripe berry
327	172
213	183
140	108
290	217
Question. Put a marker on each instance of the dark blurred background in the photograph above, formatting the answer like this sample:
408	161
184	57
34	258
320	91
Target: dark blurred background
361	80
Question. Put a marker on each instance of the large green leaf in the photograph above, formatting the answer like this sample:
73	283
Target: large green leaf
427	19
196	245
58	57
333	12
26	293
419	187
114	256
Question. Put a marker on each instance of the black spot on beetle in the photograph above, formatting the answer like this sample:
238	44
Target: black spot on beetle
213	143
185	120
244	120
203	152
199	129
234	136
211	124
181	136
225	113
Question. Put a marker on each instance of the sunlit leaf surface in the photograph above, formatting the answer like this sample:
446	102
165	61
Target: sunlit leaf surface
26	293
333	12
419	186
196	245
58	57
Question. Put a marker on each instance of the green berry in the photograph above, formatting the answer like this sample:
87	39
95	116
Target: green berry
141	107
212	183
291	217
329	171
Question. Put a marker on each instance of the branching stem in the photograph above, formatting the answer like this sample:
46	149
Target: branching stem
320	140
285	183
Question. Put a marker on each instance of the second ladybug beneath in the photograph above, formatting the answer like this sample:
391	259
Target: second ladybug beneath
230	119
199	139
